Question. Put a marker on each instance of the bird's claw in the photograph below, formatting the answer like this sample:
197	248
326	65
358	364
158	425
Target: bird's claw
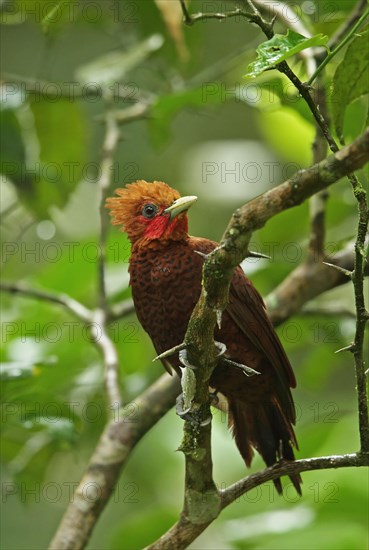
183	359
219	314
181	412
190	415
221	347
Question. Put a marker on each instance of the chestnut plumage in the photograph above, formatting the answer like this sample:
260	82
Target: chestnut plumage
165	276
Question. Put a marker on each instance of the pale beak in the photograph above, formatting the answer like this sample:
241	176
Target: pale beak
180	205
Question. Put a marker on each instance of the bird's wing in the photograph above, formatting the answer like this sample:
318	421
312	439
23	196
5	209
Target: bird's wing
247	309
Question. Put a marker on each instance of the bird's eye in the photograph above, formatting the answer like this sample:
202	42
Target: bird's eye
149	210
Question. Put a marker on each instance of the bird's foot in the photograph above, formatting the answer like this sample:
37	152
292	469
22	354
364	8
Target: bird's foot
180	410
248	371
185	406
219	313
187	413
221	347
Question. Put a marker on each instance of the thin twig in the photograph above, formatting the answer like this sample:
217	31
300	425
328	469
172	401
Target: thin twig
110	358
283	67
308	281
184	532
190	19
108	151
339	46
135	112
96	323
214	296
147	409
120	309
291	20
102	340
241	487
348	23
318	202
362	315
75	307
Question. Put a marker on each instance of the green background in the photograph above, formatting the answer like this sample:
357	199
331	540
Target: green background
206	135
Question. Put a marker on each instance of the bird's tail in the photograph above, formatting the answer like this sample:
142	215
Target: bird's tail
263	426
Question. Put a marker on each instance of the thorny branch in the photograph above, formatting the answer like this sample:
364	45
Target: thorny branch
184	532
362	317
217	273
119	438
114	449
199	335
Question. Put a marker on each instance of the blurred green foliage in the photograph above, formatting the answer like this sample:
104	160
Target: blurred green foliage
53	405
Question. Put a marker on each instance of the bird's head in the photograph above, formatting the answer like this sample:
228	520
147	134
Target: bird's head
150	211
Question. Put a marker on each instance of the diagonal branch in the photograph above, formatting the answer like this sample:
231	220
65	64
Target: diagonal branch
72	305
116	442
254	214
306	282
115	449
199	338
348	24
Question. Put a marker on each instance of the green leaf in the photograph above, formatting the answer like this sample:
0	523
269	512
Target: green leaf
61	136
351	79
43	152
281	47
12	149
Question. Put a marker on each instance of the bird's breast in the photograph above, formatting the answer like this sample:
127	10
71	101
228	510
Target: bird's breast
166	285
